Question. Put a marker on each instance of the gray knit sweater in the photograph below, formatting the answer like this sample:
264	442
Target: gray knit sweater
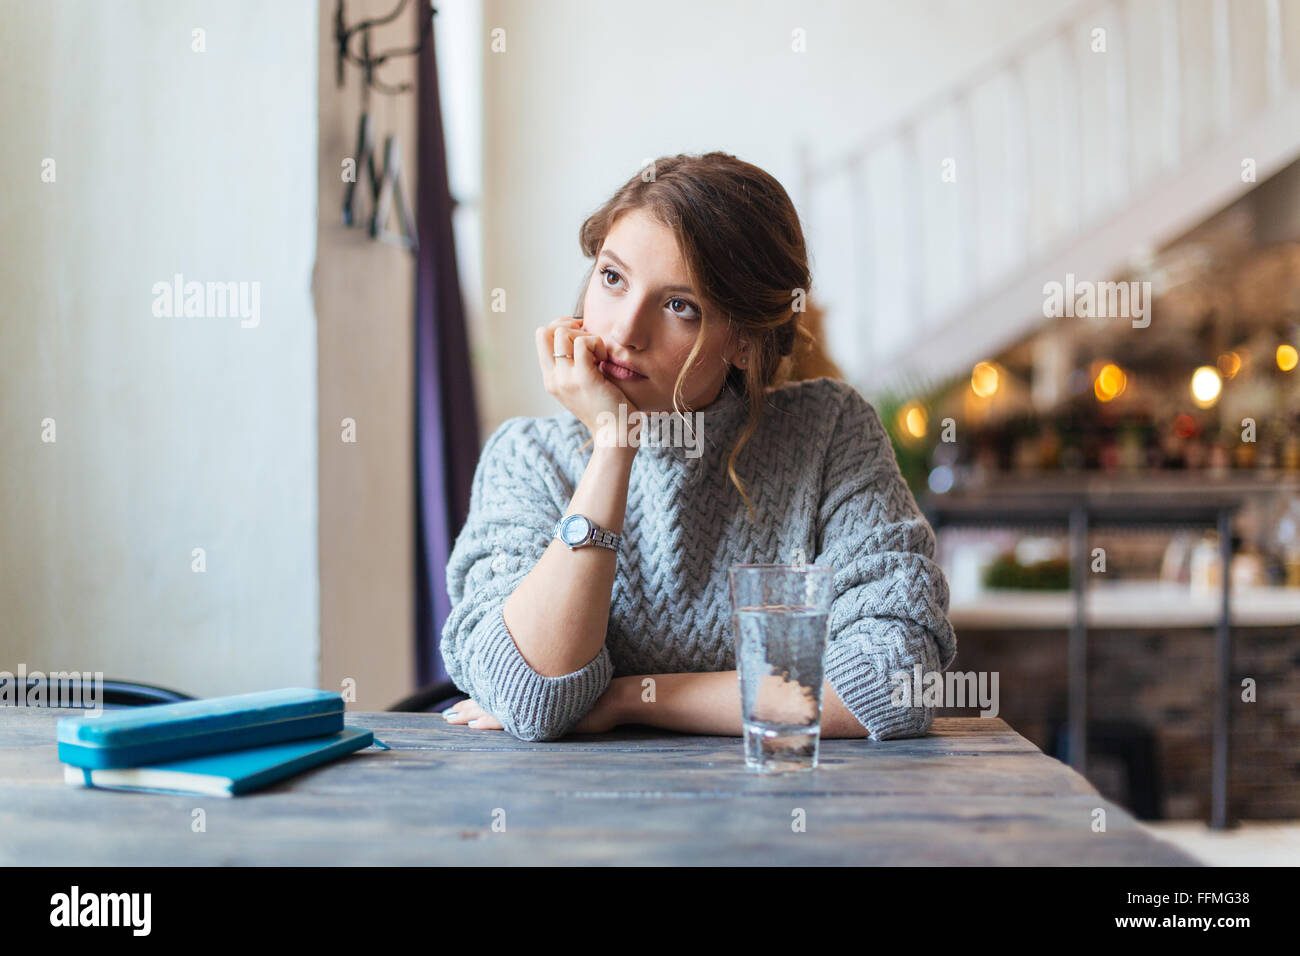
822	477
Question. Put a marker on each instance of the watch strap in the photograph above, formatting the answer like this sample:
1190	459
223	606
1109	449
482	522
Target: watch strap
606	539
601	537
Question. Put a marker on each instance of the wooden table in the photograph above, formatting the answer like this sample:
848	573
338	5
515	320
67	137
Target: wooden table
972	792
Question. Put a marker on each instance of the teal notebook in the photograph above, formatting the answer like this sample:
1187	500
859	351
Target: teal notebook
163	732
227	774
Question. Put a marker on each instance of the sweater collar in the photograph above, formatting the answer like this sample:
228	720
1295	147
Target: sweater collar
700	435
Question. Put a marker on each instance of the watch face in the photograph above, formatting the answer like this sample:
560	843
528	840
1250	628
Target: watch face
575	530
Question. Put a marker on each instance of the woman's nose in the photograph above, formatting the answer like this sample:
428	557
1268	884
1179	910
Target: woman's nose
630	328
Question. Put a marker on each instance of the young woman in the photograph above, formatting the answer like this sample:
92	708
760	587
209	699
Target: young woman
694	304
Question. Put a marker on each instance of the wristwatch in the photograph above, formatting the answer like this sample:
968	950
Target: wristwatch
578	531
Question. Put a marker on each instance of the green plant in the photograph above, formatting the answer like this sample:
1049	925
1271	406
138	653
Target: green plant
1006	572
913	454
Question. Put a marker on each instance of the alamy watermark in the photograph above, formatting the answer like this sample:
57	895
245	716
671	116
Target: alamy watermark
923	688
128	910
84	689
179	299
1098	300
657	430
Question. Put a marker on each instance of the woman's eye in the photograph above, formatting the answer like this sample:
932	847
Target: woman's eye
678	306
691	312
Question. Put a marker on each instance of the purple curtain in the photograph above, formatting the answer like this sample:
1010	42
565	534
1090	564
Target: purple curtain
446	420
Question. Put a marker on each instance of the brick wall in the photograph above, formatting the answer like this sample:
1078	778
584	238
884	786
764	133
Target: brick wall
1164	681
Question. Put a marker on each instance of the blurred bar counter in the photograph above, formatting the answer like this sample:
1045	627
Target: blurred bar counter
1107	684
1125	604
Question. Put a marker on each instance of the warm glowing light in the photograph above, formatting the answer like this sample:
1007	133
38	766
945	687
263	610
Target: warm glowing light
1287	357
984	379
1185	426
1110	382
912	419
1229	364
1206	386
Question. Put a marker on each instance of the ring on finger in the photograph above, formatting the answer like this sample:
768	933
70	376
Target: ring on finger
557	348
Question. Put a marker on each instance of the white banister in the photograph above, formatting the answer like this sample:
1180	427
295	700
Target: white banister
1117	103
1020	163
913	225
1169	67
1069	141
1125	147
1221	32
1275	64
968	185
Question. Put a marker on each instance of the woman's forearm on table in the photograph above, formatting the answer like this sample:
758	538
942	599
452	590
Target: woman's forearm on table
709	703
559	613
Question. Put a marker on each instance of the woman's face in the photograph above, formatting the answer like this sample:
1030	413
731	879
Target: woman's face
640	302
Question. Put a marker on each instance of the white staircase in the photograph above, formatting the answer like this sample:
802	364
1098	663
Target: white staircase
1091	145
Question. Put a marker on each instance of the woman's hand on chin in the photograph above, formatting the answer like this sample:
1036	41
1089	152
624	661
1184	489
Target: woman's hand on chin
579	384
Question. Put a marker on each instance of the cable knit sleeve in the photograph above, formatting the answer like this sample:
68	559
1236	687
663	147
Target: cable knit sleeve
515	500
890	610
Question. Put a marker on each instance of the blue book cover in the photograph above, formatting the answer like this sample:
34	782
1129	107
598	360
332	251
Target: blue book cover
164	732
226	774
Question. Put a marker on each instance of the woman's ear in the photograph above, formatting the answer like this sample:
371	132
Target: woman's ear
736	351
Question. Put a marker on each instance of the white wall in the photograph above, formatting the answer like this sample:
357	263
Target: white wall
172	433
586	92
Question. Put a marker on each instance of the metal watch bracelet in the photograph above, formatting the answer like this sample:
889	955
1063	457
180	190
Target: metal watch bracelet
578	530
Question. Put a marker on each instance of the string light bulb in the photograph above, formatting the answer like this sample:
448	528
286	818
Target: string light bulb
1110	382
912	420
984	379
1229	364
1206	386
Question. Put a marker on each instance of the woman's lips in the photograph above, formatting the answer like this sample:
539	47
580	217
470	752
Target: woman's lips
620	372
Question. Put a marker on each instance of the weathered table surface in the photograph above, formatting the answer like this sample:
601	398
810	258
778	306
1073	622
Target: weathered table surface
972	792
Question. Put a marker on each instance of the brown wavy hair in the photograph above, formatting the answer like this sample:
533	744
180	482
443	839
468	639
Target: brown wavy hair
743	246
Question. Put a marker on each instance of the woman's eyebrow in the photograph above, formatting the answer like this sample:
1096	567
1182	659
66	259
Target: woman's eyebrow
624	266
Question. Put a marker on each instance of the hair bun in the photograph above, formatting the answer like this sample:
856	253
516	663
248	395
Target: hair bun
785	338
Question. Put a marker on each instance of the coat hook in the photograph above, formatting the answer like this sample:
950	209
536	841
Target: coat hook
369	62
385	187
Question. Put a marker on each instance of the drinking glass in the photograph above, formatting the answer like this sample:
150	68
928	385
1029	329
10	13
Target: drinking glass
780	615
